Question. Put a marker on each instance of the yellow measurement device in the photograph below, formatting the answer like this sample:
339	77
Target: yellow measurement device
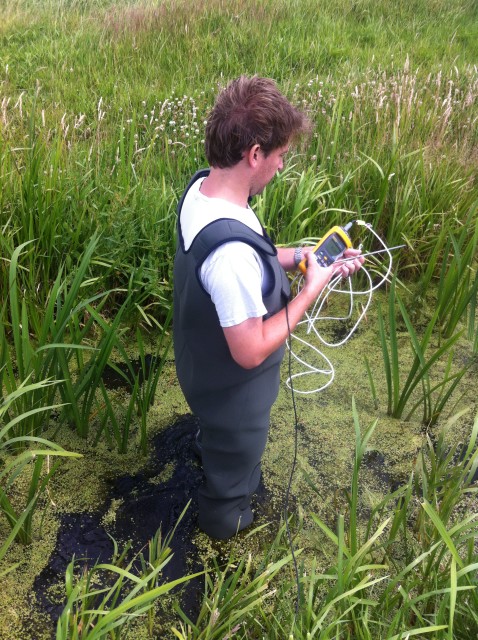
330	247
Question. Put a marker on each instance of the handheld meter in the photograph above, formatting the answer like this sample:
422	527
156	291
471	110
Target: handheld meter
330	247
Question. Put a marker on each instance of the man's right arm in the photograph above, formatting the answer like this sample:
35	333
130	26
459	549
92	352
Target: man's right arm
254	340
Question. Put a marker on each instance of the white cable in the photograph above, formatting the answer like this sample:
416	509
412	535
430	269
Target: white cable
311	369
313	317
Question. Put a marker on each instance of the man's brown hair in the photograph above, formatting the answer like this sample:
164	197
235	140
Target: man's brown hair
249	111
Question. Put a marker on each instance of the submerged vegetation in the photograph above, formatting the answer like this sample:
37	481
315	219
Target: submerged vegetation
102	111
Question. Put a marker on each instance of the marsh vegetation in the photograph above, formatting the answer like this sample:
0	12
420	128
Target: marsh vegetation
103	105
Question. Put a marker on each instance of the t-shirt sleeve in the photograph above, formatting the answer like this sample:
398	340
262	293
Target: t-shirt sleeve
232	275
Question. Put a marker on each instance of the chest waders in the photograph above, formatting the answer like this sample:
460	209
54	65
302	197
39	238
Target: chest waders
233	404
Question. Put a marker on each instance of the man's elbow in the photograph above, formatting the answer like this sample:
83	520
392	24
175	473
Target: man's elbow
246	344
247	360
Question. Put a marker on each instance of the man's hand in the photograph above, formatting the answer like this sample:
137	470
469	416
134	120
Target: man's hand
317	277
346	269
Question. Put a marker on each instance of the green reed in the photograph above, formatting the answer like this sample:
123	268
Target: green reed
401	385
120	168
37	345
297	206
336	598
69	341
31	462
147	378
80	392
234	596
439	551
116	425
446	472
158	550
458	281
142	382
452	272
56	197
45	207
408	201
472	332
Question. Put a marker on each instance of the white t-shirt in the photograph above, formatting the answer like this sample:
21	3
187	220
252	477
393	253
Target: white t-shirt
233	274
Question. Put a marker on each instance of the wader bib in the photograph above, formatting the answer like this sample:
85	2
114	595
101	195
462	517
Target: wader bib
232	403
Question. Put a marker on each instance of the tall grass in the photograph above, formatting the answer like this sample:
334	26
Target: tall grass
41	346
143	381
233	595
118	162
71	342
405	567
387	579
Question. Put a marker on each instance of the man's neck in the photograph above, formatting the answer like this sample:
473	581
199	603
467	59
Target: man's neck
228	184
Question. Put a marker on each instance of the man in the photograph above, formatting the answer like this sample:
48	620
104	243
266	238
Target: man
232	313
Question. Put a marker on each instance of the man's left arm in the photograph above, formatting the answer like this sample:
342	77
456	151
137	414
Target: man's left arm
286	256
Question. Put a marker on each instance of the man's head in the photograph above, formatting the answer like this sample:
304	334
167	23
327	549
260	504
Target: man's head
248	112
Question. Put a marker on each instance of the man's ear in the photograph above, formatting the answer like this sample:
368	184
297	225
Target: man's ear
253	155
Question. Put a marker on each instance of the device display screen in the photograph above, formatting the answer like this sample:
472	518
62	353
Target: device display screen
334	245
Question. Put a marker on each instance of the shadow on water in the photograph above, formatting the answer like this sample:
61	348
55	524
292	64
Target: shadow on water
376	463
145	503
122	375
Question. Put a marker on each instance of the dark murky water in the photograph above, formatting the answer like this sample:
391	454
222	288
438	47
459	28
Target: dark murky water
145	506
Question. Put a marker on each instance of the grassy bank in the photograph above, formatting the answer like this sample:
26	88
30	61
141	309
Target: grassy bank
103	106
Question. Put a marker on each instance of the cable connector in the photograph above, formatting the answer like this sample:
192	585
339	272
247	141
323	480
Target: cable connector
362	223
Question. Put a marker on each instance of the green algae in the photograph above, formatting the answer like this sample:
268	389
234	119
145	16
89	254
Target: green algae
326	437
110	516
165	475
18	616
326	442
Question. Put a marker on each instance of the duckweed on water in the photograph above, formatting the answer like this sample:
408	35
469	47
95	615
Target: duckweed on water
325	446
